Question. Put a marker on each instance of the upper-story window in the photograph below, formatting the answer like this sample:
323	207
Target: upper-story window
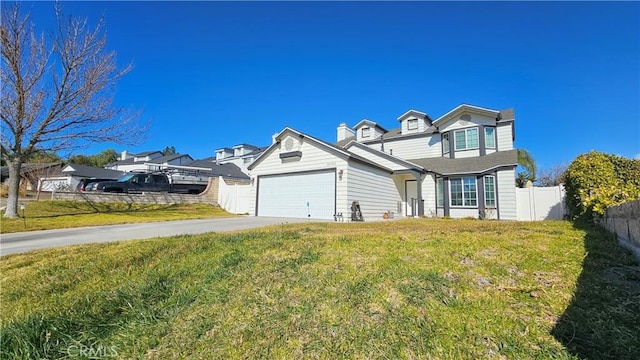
445	143
490	137
412	124
366	132
466	139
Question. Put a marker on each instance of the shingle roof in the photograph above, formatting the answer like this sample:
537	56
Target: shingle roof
28	168
473	165
225	170
167	158
92	172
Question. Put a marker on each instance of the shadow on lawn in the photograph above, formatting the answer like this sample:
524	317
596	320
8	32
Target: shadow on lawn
603	319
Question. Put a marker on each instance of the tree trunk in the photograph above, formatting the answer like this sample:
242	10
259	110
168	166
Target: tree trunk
14	188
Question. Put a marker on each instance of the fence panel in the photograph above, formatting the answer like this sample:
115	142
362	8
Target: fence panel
540	203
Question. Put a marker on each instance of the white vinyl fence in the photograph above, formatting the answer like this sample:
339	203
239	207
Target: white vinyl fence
233	198
540	203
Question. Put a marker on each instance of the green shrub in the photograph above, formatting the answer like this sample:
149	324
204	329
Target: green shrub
595	181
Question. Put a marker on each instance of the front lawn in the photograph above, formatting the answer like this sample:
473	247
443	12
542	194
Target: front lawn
58	214
423	288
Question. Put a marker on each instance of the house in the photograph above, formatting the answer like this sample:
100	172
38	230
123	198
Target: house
70	176
30	173
163	162
461	164
134	162
241	155
209	167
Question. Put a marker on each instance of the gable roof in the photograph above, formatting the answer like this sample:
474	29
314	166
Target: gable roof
394	159
91	171
369	123
167	158
146	153
321	143
415	113
466	108
472	165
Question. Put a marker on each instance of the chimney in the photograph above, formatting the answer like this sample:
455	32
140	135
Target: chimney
273	138
345	132
123	155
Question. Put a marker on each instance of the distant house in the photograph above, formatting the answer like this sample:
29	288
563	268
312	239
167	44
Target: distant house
30	173
163	162
71	174
461	164
209	167
134	162
241	155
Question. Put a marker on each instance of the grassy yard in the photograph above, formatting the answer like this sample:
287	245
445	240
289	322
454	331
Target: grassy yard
54	214
439	289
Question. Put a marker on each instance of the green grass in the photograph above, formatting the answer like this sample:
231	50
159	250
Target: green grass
56	214
440	289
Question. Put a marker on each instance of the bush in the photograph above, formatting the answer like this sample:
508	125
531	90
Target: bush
595	181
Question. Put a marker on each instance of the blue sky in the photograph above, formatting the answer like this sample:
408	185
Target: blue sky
216	74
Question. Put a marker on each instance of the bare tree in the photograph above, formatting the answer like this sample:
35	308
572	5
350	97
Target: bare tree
57	92
552	176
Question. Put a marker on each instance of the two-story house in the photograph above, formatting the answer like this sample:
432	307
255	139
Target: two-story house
242	155
461	164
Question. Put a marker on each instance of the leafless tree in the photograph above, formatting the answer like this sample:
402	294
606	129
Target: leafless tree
552	176
57	92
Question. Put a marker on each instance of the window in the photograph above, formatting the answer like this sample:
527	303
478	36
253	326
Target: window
463	192
490	137
445	143
466	139
490	191
439	192
366	131
412	124
247	160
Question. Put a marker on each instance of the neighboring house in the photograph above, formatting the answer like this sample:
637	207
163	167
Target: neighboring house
30	173
134	162
461	164
71	174
241	155
163	162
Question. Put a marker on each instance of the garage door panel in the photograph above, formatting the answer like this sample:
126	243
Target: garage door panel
300	195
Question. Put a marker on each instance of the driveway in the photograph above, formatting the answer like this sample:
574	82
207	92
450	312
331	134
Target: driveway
26	241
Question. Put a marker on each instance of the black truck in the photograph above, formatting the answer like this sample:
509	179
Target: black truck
154	182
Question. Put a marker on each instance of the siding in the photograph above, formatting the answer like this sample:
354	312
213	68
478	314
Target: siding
504	137
429	195
467	153
507	194
376	159
462	213
457	123
313	158
413	148
374	189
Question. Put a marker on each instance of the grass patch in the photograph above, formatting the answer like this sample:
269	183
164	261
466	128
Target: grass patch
58	214
415	288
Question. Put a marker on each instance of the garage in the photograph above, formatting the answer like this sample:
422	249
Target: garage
309	194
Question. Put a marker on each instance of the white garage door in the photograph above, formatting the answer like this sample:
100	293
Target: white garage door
301	195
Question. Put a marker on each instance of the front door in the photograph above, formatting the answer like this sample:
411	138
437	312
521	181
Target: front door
411	197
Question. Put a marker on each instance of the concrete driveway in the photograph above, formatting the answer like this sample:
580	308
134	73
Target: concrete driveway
26	241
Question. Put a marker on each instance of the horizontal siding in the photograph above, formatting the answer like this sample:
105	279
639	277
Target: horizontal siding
467	153
429	195
462	213
507	194
413	148
374	189
461	124
504	137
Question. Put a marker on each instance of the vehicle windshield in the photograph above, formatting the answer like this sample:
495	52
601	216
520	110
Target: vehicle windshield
125	178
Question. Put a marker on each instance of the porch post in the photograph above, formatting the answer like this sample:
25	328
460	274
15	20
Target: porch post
419	190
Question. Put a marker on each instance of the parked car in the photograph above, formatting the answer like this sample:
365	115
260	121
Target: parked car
85	183
154	182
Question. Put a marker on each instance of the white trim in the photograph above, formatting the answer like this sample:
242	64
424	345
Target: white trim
469	108
414	113
475	180
466	140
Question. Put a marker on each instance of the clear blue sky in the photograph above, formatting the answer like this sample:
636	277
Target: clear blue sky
215	74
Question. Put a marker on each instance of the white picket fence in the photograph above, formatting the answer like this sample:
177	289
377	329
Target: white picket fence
540	203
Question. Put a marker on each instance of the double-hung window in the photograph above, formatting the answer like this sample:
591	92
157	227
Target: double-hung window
463	192
366	132
490	191
412	124
466	139
490	137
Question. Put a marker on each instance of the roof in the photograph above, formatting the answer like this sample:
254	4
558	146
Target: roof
332	147
146	153
344	142
472	165
369	123
415	113
28	168
167	158
469	108
225	170
91	172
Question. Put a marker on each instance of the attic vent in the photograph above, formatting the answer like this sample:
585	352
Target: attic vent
465	117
